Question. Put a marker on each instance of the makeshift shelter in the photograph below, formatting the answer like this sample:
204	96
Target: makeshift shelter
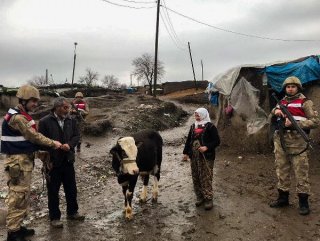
245	95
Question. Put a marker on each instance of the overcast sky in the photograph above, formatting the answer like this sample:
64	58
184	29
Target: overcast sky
39	34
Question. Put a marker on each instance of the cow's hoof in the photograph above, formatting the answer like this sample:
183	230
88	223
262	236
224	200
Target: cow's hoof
154	197
129	213
142	200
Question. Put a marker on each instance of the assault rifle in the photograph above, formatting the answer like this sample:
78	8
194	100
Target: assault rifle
294	123
78	111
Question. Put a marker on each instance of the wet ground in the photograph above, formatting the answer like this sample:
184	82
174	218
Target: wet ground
244	184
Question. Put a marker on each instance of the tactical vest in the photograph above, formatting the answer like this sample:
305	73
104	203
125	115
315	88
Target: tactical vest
81	105
295	108
12	141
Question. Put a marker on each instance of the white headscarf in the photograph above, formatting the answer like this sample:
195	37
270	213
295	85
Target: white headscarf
204	117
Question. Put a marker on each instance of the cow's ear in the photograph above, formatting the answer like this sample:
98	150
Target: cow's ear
113	150
138	144
119	139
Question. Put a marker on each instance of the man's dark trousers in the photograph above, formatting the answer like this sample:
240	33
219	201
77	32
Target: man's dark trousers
65	175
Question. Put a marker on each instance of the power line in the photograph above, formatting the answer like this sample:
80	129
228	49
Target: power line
172	38
238	33
126	6
129	1
171	25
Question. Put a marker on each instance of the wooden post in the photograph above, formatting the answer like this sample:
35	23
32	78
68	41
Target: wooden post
201	70
156	51
194	76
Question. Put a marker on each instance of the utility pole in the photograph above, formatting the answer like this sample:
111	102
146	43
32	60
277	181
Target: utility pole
194	76
201	70
74	63
156	51
46	76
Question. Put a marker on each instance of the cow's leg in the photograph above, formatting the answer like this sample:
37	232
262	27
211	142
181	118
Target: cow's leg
129	213
124	191
143	195
155	189
129	197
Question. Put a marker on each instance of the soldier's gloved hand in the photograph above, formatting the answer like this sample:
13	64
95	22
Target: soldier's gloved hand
288	123
279	113
57	144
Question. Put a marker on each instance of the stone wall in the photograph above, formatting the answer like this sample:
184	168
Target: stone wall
7	101
170	87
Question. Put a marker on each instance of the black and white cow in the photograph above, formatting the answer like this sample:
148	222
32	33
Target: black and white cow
139	154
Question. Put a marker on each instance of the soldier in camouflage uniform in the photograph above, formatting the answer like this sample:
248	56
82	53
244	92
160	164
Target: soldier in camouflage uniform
80	110
291	151
200	147
19	141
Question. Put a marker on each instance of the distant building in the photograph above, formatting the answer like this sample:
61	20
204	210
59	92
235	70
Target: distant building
170	87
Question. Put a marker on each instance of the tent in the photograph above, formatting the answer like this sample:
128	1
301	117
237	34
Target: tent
247	88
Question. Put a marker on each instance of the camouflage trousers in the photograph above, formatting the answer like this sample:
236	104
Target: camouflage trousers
288	160
202	174
81	128
19	171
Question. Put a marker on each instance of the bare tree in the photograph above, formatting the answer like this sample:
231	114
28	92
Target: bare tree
90	78
144	69
111	82
123	86
40	81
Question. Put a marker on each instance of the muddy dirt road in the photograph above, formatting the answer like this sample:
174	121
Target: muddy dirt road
244	184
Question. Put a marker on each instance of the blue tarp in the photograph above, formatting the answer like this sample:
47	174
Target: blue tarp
214	98
307	70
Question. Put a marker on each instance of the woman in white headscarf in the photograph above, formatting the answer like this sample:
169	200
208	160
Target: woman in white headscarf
200	146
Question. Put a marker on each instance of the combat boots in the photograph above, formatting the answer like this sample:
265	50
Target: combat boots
303	204
282	201
16	236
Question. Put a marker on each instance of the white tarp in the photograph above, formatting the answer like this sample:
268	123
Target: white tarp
224	82
245	101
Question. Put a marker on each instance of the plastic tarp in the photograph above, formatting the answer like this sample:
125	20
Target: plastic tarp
213	94
244	97
307	70
245	101
224	82
214	98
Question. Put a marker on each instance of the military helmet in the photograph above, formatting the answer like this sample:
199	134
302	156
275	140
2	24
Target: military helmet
293	81
79	94
27	92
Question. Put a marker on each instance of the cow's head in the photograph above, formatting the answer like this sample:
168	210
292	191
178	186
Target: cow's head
124	156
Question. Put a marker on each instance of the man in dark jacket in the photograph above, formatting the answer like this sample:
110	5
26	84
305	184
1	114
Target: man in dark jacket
59	126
